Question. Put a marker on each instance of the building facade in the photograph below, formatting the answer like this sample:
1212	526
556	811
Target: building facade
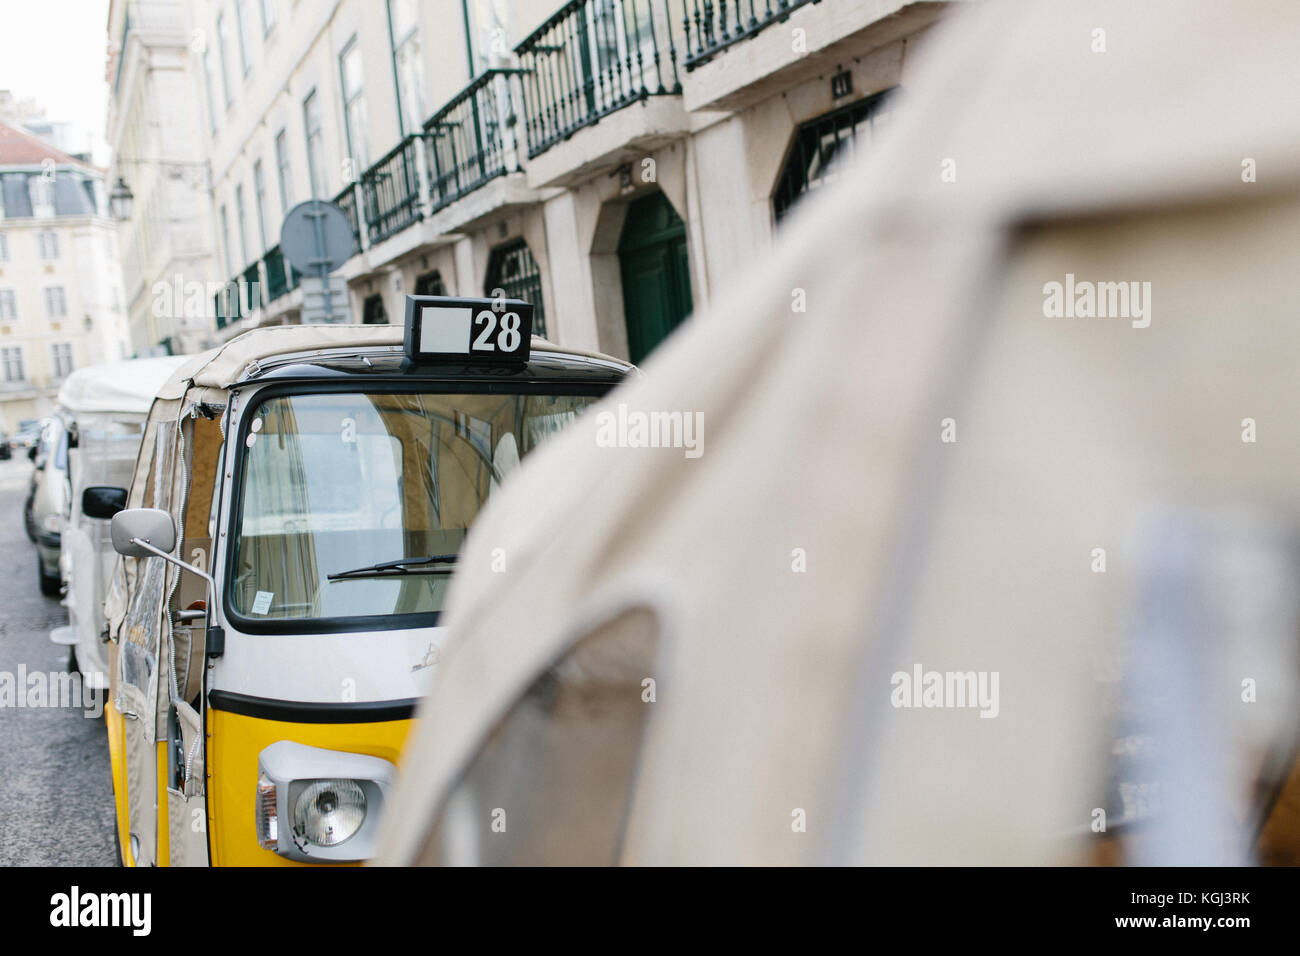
155	129
613	161
60	290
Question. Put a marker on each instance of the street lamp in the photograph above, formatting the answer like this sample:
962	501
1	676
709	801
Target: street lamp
120	200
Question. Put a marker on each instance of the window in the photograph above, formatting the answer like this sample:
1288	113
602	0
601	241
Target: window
822	146
430	284
283	173
11	362
61	359
207	89
41	191
405	478
313	122
4	248
372	311
225	239
8	305
354	106
56	302
245	24
242	224
513	269
48	244
551	741
223	41
268	16
408	65
259	198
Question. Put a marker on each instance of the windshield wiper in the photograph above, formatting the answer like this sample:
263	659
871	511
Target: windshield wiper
399	567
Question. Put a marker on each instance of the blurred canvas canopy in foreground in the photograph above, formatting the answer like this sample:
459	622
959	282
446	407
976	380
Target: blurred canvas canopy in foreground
1100	509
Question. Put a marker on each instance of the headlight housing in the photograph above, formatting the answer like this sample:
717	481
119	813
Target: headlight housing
319	805
52	523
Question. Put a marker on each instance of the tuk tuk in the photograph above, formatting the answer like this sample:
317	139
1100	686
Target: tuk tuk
294	518
101	409
963	577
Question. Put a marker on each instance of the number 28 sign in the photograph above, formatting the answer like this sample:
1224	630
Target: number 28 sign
487	331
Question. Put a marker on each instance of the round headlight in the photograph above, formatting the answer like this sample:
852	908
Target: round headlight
328	812
51	523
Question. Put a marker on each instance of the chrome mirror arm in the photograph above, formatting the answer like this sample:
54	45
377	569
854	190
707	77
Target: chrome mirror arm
215	641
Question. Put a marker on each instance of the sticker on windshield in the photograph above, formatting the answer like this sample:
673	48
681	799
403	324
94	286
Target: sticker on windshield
262	603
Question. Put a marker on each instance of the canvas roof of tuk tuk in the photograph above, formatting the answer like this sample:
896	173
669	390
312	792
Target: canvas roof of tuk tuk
126	386
219	367
822	443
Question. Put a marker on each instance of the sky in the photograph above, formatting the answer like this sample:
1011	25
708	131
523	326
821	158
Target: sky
55	51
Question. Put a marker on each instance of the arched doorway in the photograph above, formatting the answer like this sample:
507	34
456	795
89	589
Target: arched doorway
430	284
372	311
825	147
512	268
656	273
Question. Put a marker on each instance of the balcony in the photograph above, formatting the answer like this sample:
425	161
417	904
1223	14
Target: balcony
252	277
589	60
347	201
240	297
390	190
281	277
714	25
592	58
728	75
470	141
227	304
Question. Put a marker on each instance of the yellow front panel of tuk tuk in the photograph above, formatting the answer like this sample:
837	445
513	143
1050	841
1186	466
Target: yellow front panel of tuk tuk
117	762
234	743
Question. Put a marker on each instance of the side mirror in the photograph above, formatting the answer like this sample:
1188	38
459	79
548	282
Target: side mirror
102	501
152	526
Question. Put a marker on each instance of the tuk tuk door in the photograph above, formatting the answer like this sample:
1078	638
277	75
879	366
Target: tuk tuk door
133	706
155	730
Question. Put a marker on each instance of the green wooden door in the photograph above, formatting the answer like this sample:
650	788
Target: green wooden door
656	273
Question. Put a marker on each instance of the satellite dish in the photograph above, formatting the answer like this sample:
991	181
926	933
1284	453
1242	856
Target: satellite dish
317	233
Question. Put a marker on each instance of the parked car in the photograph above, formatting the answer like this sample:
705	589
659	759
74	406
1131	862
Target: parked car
27	436
48	502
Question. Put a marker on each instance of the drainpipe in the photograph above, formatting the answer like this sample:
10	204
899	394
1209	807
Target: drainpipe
469	43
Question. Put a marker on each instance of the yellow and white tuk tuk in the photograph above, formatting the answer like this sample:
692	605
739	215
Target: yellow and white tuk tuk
295	516
103	410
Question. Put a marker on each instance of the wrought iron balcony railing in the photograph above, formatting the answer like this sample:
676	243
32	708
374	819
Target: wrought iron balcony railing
227	303
252	277
471	140
594	57
391	192
243	294
347	201
281	277
714	25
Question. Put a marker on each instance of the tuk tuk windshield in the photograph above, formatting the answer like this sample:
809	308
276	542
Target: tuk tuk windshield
333	484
